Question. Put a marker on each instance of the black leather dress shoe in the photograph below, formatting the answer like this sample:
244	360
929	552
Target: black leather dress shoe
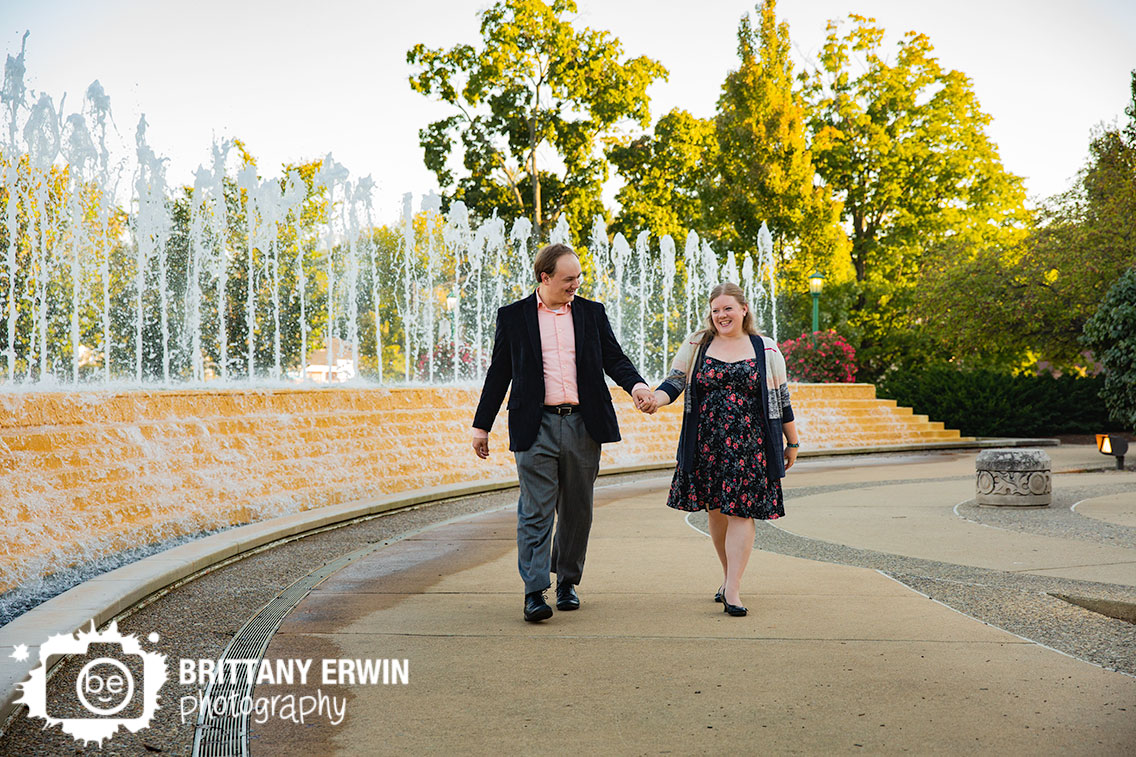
719	597
567	598
536	609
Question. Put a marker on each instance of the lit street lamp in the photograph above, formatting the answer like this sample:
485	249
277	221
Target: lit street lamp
816	284
1116	446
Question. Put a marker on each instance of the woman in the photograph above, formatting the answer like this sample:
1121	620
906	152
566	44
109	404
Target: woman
730	459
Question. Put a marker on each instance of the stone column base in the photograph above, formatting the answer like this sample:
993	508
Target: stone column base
1013	478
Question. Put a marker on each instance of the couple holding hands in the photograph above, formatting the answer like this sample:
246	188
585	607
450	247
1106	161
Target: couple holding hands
737	440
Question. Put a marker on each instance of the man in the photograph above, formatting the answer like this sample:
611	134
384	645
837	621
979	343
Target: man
555	348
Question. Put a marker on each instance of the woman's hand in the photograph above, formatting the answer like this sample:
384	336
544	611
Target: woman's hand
790	432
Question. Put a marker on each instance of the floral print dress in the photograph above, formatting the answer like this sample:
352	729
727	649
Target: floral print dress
732	473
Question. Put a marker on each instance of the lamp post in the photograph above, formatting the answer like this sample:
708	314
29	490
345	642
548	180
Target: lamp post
816	284
452	327
1116	446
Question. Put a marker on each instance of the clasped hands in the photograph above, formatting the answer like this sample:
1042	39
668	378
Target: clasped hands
647	401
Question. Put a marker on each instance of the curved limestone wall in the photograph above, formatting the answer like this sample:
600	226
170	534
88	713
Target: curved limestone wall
86	474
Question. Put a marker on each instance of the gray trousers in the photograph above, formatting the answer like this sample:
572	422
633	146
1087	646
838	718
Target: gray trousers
557	475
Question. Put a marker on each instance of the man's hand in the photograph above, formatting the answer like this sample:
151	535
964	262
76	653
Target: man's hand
481	443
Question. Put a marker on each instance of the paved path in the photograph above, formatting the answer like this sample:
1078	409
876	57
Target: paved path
831	657
919	519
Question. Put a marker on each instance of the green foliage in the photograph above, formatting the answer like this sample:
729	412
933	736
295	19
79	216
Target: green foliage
662	176
764	170
904	145
994	403
1031	299
822	357
1111	334
537	80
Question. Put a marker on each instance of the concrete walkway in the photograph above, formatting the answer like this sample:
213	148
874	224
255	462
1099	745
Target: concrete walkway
919	519
831	658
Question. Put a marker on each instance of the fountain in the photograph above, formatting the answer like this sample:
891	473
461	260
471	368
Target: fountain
239	278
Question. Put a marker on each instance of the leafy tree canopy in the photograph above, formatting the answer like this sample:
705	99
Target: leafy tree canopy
537	80
904	145
1030	300
764	169
663	173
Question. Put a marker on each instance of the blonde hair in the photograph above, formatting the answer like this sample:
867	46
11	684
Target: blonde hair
729	288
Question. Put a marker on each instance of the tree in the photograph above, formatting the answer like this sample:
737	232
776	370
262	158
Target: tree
1031	300
904	145
1111	334
764	170
536	81
663	174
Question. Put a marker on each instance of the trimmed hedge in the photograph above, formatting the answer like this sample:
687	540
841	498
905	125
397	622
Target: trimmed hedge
990	403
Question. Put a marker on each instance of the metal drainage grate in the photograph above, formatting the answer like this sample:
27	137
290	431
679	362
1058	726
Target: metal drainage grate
227	735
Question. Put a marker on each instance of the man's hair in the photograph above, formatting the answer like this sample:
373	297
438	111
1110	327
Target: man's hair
545	261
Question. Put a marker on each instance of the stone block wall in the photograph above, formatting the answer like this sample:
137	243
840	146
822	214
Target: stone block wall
84	474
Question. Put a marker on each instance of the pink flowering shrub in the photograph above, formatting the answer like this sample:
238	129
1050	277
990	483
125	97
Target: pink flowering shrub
444	362
822	357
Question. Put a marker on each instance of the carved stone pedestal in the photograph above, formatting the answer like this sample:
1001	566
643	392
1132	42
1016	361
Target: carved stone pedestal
1017	477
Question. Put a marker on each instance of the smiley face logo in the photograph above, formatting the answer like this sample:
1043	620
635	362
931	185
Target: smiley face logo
106	681
105	685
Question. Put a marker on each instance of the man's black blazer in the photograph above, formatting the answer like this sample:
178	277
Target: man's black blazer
517	358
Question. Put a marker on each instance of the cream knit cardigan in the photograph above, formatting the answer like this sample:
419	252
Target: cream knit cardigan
776	378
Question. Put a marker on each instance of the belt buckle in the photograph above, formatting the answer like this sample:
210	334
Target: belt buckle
565	409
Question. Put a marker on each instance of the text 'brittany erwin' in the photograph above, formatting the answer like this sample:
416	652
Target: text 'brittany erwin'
333	672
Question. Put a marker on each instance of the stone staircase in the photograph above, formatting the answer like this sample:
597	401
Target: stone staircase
842	416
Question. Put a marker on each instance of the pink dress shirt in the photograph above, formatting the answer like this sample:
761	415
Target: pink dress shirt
558	350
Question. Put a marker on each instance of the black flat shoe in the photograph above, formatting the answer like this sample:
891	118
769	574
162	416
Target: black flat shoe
718	597
536	609
567	598
736	610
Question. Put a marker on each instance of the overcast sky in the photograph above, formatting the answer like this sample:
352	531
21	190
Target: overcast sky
296	80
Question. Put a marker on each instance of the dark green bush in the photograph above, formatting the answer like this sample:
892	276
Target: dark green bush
1111	334
991	403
